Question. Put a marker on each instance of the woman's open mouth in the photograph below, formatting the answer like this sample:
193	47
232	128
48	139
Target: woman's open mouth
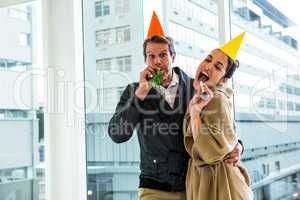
203	77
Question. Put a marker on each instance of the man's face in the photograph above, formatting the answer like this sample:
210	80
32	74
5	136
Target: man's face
212	69
158	55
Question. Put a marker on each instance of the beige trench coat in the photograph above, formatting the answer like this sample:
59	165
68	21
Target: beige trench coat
208	177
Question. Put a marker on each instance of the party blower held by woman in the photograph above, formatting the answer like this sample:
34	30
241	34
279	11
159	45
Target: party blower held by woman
209	133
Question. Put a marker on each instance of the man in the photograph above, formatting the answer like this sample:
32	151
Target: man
157	115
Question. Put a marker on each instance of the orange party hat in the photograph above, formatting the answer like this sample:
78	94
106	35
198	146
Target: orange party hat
155	27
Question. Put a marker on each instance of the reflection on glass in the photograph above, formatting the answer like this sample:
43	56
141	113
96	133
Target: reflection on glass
267	97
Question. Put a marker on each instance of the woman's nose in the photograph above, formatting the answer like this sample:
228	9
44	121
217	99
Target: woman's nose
206	68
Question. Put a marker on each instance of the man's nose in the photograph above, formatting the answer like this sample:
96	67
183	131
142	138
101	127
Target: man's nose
157	60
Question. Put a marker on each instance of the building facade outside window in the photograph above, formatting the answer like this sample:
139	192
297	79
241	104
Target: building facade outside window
19	129
124	64
20	13
104	37
123	35
104	64
25	39
122	6
102	8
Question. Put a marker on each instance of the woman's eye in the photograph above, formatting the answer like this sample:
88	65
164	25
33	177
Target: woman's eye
218	67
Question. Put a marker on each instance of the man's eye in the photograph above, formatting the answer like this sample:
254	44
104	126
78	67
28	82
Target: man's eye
163	55
207	59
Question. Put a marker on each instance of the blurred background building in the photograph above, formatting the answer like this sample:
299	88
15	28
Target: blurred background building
19	129
266	101
267	89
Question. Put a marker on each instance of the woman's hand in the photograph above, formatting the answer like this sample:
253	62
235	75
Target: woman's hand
197	103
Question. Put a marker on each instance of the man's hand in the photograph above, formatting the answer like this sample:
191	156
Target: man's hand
234	156
144	84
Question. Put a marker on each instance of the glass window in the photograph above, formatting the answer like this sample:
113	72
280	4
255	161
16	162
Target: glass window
19	129
290	106
14	65
104	37
269	64
2	64
127	63
123	34
113	169
15	114
124	63
2	114
11	175
102	8
122	6
277	165
297	106
104	64
297	91
24	39
20	12
282	105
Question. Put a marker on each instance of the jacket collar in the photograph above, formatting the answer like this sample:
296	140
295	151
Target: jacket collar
225	90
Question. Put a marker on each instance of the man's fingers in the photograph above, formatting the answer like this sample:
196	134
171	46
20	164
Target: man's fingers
232	155
236	150
229	155
148	74
235	163
153	68
150	70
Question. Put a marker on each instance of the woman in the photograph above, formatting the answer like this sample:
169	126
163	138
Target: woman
209	135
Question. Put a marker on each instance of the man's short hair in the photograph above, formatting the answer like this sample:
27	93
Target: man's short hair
159	39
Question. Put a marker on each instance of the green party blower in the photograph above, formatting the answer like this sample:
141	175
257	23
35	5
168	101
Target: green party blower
156	80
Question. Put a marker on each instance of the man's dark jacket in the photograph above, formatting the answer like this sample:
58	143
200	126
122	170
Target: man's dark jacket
159	128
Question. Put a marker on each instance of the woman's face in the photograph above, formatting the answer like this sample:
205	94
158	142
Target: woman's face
212	69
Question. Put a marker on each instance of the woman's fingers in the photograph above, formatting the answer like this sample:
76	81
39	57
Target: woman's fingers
200	89
203	88
199	97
